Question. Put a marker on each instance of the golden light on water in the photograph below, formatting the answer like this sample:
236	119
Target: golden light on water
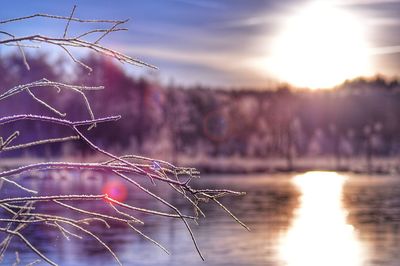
320	47
319	234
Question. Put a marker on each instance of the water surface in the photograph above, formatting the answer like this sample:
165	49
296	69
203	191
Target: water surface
316	218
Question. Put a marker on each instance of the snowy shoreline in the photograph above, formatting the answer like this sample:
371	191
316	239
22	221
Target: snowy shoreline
238	165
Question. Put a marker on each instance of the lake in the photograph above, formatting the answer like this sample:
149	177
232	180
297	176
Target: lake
315	218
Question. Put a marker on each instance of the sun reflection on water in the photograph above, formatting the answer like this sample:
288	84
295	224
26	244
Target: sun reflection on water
319	234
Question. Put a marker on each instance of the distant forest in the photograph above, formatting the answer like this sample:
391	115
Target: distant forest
359	118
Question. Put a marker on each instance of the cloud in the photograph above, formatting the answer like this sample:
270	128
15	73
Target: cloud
383	21
203	4
385	50
202	67
366	2
249	22
210	59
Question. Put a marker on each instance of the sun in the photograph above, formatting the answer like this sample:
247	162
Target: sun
320	47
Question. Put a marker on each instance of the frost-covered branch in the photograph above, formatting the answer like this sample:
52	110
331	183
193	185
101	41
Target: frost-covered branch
20	212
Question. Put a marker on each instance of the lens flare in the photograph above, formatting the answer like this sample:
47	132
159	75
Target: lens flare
115	190
216	126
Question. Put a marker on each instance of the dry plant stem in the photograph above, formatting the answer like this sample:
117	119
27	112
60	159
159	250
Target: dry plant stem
90	166
78	43
22	210
20	186
26	241
16	232
92	213
59	219
39	142
65	232
73	41
69	20
37	218
81	197
149	239
45	83
97	239
33	262
54	120
5	243
168	204
17	259
61	18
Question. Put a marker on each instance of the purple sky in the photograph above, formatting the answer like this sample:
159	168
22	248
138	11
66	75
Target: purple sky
210	42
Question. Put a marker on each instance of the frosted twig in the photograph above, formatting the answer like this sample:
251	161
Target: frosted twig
23	55
169	205
39	142
8	140
96	238
69	20
33	262
59	86
45	104
29	244
88	220
21	211
20	186
17	259
60	18
149	238
64	231
131	218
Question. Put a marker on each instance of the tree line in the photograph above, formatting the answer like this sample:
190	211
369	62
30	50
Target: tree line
358	118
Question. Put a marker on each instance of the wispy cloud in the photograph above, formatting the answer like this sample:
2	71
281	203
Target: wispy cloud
365	2
251	21
214	40
385	50
211	59
202	3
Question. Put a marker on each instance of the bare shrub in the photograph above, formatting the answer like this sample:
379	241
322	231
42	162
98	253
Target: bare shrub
20	212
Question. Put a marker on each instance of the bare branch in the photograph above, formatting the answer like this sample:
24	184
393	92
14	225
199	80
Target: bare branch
69	20
22	211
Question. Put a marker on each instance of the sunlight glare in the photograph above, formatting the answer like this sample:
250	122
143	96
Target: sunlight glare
320	234
320	47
